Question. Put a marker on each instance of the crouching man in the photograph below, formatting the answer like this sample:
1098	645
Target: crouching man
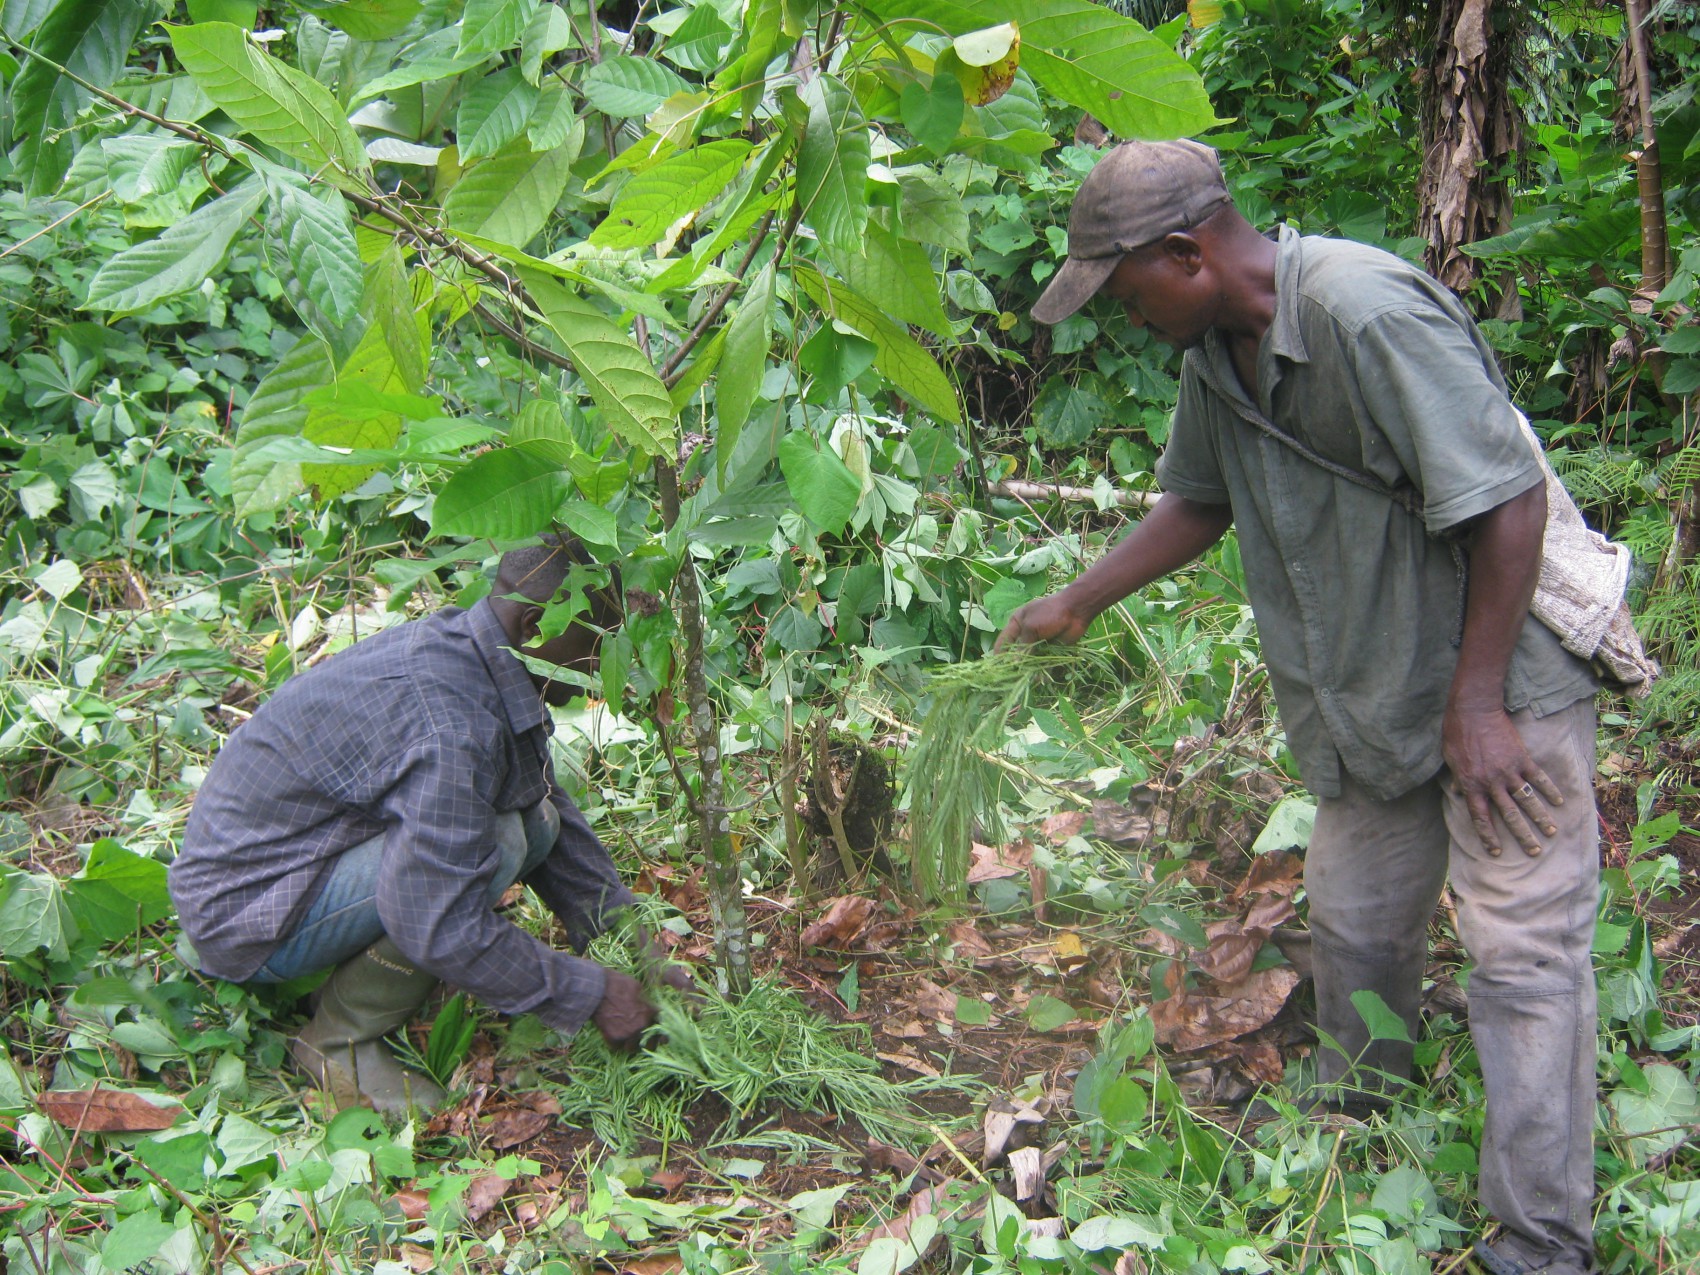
369	816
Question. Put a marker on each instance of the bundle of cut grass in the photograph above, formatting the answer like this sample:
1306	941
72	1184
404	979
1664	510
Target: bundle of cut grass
760	1051
953	783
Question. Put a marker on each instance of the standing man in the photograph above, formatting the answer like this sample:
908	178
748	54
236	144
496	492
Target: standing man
370	815
1440	726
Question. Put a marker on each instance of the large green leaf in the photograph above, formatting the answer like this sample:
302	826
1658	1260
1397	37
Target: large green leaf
493	113
1068	411
20	18
179	259
271	102
491	26
117	892
624	86
277	409
345	417
1606	230
900	358
399	364
33	917
653	201
509	196
541	428
1088	55
734	222
821	484
832	166
745	360
556	120
507	494
318	237
698	42
549	31
635	405
90	39
898	272
365	19
421	70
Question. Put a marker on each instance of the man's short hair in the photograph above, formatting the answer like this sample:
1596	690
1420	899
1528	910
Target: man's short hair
537	572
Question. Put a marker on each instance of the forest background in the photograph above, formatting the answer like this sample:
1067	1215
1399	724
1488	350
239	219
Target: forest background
309	310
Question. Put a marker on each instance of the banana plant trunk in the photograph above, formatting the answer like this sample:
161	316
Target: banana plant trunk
1471	132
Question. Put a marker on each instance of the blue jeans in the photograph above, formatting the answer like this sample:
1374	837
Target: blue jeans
343	920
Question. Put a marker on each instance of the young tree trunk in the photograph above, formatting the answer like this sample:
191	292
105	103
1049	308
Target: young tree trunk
714	820
1649	178
1471	131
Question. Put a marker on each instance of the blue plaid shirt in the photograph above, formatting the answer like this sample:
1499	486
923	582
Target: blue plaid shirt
423	734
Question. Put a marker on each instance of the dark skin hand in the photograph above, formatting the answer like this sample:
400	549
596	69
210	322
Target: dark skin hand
1489	765
624	1015
656	959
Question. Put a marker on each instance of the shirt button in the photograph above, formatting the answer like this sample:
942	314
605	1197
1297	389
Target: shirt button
1298	567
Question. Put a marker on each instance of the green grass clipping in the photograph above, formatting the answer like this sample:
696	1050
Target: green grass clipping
953	780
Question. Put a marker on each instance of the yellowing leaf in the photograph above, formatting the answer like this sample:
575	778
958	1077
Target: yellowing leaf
984	62
989	44
1204	13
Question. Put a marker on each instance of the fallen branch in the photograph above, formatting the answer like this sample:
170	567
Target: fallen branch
1018	489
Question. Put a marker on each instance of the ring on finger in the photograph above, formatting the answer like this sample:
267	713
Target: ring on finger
1527	790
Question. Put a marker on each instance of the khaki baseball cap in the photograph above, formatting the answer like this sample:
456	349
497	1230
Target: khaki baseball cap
1134	196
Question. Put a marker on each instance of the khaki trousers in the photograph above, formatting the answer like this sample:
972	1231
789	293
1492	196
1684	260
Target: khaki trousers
1373	874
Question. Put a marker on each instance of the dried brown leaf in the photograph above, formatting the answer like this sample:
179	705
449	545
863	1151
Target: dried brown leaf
1187	1022
417	1259
842	922
668	1180
989	864
1234	945
907	1029
514	1125
933	1199
1281	873
543	1102
659	1264
968	940
413	1203
933	1001
1229	957
106	1111
1059	828
486	1191
1113	821
910	1063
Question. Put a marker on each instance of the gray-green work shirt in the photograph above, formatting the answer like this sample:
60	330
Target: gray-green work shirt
1377	367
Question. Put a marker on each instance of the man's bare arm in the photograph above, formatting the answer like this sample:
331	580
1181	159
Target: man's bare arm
1486	756
1176	531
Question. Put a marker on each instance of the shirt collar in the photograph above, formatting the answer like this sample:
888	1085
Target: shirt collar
1284	336
524	706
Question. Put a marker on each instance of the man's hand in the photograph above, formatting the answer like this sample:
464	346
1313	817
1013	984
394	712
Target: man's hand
624	1015
1494	772
1172	534
656	960
1047	619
